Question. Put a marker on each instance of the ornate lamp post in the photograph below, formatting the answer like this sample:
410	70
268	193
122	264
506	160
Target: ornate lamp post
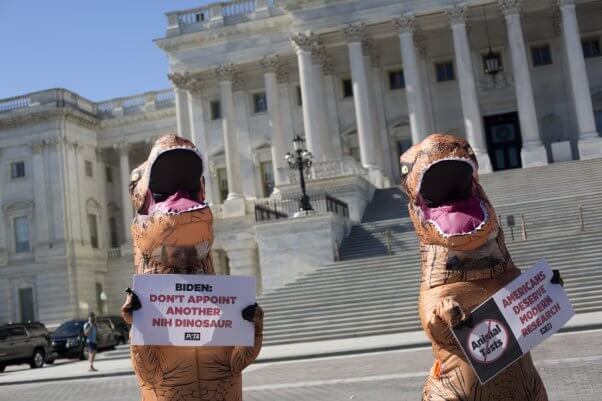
300	160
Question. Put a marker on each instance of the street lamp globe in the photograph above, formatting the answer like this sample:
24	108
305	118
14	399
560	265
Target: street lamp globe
298	143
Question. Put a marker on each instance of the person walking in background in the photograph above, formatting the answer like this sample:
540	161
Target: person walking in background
91	331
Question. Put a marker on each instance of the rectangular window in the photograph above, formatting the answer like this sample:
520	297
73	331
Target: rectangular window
109	174
347	88
88	168
445	71
267	178
113	232
541	55
17	170
591	47
93	226
299	96
396	80
21	234
216	110
260	103
222	180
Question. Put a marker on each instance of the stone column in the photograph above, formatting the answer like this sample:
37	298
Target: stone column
354	35
406	26
319	56
39	188
533	152
101	187
198	132
284	98
473	126
303	44
390	166
126	203
330	97
590	144
271	66
180	81
235	199
248	174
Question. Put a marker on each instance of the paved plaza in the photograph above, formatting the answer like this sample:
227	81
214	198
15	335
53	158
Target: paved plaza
570	364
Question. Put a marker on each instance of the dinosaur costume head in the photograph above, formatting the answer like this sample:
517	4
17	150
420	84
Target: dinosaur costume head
447	205
172	231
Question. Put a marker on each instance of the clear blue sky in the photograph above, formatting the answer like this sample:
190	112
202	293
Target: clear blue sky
97	48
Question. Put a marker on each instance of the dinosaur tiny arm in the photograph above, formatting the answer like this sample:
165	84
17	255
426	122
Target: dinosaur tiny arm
244	356
132	303
449	311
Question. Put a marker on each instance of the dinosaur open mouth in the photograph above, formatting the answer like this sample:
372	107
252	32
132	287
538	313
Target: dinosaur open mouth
175	182
447	200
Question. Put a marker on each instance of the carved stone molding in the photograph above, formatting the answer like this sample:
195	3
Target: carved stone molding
510	7
355	32
179	79
195	84
270	64
303	41
225	72
457	14
58	111
405	24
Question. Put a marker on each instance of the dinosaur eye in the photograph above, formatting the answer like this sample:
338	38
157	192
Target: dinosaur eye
404	170
135	176
470	151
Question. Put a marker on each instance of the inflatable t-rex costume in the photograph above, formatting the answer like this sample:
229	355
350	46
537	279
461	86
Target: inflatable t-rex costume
464	262
172	232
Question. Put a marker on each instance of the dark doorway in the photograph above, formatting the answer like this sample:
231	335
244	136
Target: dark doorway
504	141
26	304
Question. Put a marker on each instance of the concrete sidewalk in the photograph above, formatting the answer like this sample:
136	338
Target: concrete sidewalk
117	362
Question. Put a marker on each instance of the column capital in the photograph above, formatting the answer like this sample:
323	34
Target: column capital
195	84
303	42
123	148
179	79
457	14
282	73
565	3
37	147
510	7
355	32
321	57
225	72
405	24
270	64
239	82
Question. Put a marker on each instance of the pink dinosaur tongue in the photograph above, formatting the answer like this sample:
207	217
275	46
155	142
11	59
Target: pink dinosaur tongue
176	203
457	217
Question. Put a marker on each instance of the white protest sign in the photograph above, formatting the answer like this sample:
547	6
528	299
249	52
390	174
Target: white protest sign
533	306
192	310
513	321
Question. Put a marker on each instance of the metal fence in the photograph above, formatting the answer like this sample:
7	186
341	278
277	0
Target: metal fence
285	208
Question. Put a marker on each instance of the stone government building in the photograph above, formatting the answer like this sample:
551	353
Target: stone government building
360	80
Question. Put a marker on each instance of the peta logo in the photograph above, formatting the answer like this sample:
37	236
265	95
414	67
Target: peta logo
545	328
192	336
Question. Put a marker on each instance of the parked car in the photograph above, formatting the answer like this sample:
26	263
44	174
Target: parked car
119	326
69	341
25	343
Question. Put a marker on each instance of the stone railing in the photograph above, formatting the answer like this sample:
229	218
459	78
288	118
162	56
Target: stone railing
330	169
219	14
149	101
113	253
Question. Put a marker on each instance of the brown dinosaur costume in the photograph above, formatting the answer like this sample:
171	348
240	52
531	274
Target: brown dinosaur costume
464	262
172	232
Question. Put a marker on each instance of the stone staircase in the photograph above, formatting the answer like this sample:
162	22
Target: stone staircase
374	289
